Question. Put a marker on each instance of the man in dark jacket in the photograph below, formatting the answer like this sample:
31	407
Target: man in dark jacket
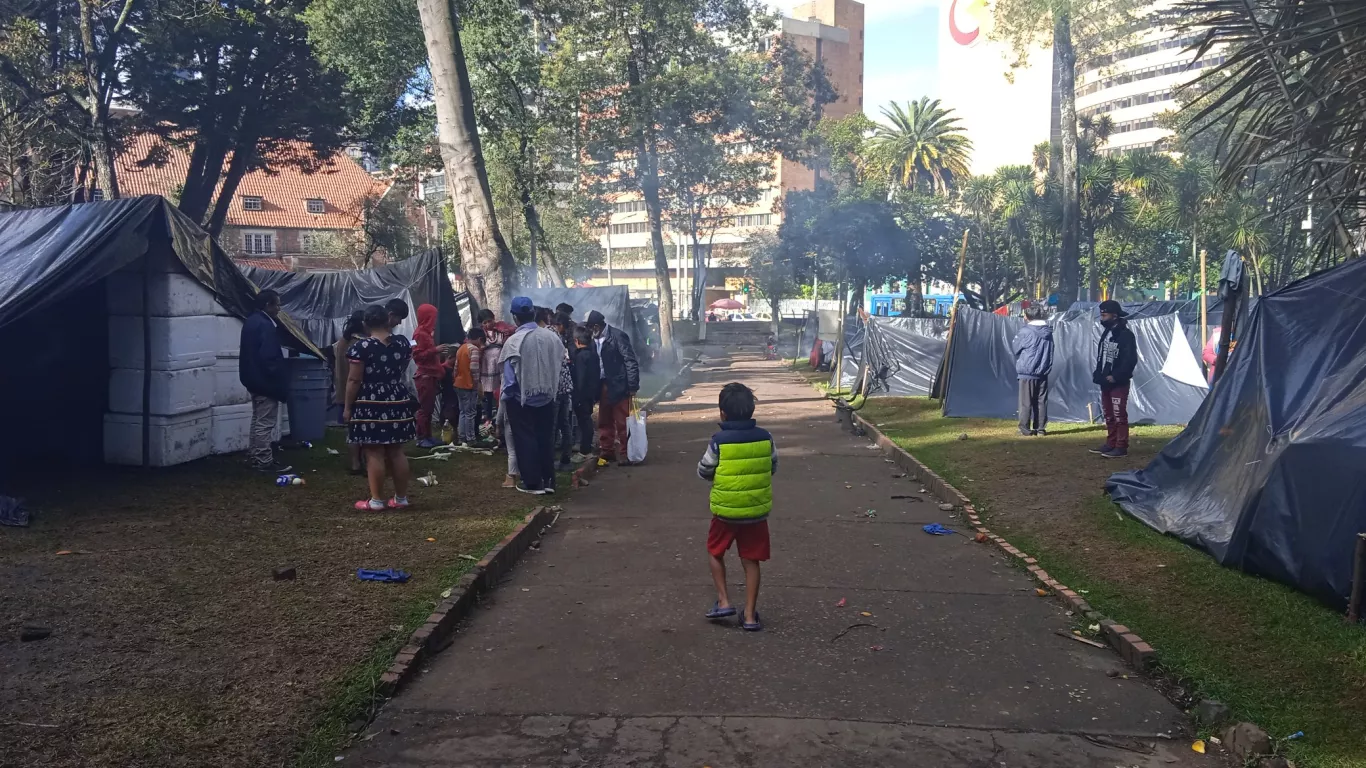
1116	358
620	381
587	389
263	373
1033	348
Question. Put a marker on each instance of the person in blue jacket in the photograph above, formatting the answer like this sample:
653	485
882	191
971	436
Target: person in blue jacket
263	373
1033	348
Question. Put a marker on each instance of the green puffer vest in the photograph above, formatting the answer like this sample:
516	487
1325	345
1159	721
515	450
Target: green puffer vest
743	487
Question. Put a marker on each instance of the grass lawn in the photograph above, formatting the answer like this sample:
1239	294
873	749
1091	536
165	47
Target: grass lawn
1278	658
173	645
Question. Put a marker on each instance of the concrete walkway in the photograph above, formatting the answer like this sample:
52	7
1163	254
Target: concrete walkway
595	651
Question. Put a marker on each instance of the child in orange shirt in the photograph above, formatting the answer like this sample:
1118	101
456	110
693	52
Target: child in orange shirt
465	368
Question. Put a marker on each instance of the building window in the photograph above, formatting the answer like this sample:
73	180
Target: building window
96	195
317	206
251	203
628	206
258	243
631	228
754	220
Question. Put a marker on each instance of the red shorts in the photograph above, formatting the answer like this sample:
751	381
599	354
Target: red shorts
751	539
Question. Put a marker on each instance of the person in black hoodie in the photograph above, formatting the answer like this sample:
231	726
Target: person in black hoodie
264	375
587	388
1116	358
1033	348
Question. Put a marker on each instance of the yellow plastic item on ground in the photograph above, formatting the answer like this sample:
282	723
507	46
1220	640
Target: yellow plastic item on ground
1198	746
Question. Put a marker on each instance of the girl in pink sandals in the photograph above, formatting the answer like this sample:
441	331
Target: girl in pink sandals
378	408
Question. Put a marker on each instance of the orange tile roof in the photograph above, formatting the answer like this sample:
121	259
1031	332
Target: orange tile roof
150	166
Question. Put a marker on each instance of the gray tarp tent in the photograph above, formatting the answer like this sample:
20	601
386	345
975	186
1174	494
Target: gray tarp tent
916	344
321	301
613	301
982	383
1268	476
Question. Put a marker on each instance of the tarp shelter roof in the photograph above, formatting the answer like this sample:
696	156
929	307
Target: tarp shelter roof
982	380
322	301
915	344
49	253
1268	476
613	301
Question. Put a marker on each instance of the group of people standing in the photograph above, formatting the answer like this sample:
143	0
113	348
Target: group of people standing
533	386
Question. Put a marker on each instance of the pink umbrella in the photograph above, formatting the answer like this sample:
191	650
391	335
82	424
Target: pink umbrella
727	304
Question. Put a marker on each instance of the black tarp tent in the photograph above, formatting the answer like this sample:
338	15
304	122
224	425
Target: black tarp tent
916	344
322	301
1268	476
53	263
1167	386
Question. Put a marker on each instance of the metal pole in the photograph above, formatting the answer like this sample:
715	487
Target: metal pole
1204	329
1358	576
147	359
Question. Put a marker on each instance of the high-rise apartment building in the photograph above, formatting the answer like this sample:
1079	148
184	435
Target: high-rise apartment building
829	31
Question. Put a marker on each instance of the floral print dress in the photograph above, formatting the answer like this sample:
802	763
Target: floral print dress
383	411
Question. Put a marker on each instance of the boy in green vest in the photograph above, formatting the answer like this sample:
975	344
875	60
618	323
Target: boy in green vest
739	462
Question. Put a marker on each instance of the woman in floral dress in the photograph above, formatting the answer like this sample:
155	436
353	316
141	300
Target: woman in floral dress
379	410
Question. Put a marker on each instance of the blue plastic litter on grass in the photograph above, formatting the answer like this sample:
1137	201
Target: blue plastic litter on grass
388	574
939	530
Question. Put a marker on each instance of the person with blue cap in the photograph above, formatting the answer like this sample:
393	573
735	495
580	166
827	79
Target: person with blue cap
531	360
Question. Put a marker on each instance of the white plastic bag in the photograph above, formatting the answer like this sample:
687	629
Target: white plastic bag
636	442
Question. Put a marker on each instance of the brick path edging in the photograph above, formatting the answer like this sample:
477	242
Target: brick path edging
431	637
590	467
1129	645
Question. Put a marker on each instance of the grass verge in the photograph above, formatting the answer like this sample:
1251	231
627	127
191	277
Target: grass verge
1276	657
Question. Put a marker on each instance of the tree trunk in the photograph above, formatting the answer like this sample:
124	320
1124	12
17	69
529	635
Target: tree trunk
538	240
97	111
1095	266
481	244
1069	259
649	187
237	169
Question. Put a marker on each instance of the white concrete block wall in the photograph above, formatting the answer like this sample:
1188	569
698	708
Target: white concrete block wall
174	439
231	428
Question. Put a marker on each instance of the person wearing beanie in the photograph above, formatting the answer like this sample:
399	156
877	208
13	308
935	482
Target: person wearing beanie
1116	359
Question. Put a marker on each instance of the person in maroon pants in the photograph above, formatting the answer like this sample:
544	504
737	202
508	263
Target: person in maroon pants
620	381
1116	358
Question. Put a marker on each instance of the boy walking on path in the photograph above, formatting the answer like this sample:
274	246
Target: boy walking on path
740	463
1116	358
1033	348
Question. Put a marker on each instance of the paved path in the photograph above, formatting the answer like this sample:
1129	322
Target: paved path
595	653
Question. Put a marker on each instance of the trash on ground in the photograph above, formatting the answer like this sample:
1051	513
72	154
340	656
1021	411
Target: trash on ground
980	538
445	593
387	574
871	513
852	627
874	647
1295	736
1041	592
470	558
963	436
284	480
432	457
946	507
72	552
333	452
427	480
1198	746
1093	628
841	603
1081	639
898	476
938	530
31	632
431	538
908	496
285	573
864	613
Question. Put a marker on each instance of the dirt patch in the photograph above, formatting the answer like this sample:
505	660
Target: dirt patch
172	642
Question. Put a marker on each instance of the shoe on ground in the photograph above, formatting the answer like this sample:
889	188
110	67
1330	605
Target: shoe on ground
272	466
1041	432
397	503
1101	449
1116	453
1026	433
532	491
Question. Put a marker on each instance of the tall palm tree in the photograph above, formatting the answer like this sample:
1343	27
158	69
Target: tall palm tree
924	146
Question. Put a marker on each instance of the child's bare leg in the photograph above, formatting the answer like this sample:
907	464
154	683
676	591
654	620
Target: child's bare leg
398	469
718	577
375	470
751	588
353	450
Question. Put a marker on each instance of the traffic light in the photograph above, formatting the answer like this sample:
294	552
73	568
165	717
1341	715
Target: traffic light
746	287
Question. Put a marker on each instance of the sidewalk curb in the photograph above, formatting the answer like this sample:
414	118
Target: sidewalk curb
590	467
1130	646
430	638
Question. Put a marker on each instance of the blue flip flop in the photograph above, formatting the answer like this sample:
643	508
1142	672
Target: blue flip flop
717	612
756	626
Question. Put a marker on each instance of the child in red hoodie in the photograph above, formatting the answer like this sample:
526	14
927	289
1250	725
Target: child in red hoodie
427	356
